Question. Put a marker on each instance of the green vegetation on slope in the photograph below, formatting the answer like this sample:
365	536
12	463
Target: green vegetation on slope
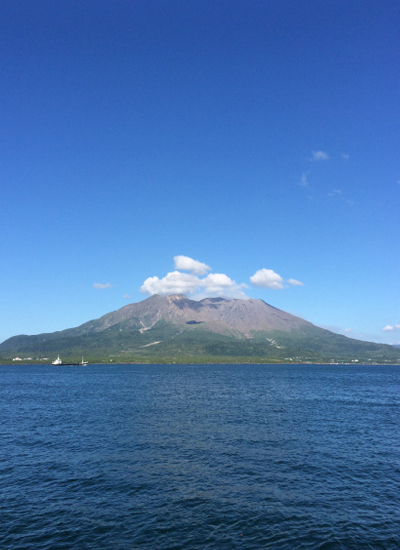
171	342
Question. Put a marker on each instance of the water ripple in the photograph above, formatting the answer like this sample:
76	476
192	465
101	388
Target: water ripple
200	457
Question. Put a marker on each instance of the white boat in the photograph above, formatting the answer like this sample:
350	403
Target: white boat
83	363
57	361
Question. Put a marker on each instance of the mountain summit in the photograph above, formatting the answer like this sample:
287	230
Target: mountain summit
176	329
243	316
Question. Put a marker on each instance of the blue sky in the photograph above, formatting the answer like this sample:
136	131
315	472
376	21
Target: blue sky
216	147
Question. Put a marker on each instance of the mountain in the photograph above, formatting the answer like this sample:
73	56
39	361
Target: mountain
177	329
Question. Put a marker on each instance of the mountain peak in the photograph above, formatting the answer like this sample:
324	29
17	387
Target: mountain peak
176	297
176	328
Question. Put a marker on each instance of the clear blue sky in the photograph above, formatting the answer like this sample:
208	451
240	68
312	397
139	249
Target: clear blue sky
260	138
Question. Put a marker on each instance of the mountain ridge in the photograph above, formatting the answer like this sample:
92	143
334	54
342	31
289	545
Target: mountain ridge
177	329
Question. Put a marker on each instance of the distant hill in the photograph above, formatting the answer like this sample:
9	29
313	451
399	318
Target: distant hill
177	329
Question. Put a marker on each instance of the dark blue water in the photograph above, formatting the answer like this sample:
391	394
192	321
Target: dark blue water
199	457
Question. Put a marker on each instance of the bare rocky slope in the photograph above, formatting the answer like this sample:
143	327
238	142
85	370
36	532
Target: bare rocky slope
241	315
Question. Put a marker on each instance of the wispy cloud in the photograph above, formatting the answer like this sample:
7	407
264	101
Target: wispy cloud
391	328
319	155
102	285
335	193
304	180
295	282
339	195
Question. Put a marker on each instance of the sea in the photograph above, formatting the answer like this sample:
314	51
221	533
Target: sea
174	457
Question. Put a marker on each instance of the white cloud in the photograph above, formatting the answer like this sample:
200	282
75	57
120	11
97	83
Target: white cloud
102	285
210	285
215	284
219	284
173	283
345	156
294	282
319	155
267	278
127	296
188	264
390	328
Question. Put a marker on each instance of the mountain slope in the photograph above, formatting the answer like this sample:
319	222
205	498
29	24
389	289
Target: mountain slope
174	328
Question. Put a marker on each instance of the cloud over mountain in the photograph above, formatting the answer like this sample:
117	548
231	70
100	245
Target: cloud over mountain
188	264
176	282
215	284
198	285
173	283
